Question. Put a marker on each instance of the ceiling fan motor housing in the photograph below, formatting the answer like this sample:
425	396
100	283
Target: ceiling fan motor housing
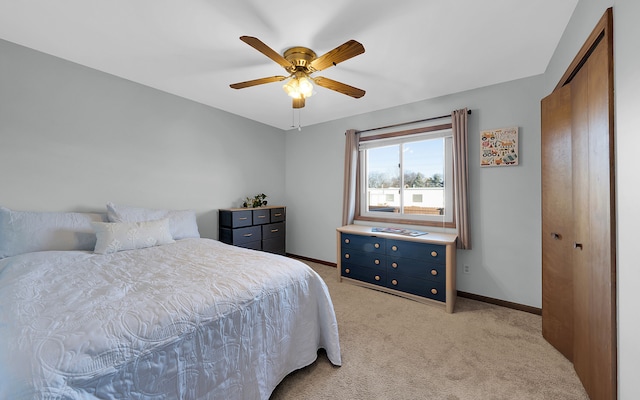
300	57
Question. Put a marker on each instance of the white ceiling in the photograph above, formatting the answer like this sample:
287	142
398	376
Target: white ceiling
415	49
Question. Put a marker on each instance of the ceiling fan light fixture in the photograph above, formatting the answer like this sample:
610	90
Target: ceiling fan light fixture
299	86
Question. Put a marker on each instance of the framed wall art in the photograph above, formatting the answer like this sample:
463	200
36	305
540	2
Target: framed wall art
499	147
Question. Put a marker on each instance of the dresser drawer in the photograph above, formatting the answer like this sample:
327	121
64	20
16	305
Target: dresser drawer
369	260
367	244
272	230
261	216
369	275
274	245
416	268
255	245
235	219
420	287
277	214
245	235
433	253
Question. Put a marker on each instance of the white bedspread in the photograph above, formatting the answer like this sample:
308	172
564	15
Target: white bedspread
196	319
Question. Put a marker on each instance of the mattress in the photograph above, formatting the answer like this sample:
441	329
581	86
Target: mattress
194	319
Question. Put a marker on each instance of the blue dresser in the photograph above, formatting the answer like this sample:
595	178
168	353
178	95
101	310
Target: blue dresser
421	268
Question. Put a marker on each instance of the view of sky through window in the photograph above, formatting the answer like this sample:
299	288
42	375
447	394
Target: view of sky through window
425	156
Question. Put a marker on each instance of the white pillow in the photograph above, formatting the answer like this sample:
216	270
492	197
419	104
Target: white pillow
182	223
117	236
27	231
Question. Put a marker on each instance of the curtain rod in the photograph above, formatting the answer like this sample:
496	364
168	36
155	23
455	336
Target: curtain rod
408	123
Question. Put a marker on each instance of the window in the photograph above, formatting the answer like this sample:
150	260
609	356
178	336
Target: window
407	178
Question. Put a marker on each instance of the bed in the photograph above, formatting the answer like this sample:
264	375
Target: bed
184	317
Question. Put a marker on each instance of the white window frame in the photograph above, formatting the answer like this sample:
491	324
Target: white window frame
447	219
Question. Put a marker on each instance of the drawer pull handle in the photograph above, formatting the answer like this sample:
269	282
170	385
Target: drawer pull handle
376	262
248	234
277	215
274	230
242	218
377	277
394	282
394	248
347	271
434	254
261	216
434	291
377	245
347	255
346	241
394	265
434	272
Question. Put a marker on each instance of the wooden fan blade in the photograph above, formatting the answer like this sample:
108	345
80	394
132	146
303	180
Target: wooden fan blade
339	87
267	51
341	53
242	85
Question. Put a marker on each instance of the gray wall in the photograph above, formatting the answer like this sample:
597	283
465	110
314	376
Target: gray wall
505	201
73	138
627	78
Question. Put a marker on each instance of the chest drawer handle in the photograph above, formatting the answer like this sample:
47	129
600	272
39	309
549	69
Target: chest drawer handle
377	277
346	241
377	245
261	216
434	272
434	254
277	215
248	234
434	291
394	248
347	255
274	230
242	218
394	265
347	271
394	282
376	262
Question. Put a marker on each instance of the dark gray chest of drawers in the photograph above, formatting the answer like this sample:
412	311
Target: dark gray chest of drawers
420	268
260	228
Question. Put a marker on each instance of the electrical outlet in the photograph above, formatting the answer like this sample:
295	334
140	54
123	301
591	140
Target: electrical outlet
466	269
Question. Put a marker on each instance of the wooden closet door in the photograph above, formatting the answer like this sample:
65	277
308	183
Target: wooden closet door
594	352
557	221
590	341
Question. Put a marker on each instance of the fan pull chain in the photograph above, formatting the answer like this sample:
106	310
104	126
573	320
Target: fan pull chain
293	119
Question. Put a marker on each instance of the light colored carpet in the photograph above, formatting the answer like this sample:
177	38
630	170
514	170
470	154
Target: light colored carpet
394	348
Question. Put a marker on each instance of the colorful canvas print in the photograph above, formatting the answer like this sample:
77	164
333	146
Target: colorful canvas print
499	147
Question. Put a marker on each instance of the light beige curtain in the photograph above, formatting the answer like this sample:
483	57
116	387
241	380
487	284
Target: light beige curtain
461	177
350	194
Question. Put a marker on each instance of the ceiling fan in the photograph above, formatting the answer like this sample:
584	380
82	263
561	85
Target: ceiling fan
300	63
